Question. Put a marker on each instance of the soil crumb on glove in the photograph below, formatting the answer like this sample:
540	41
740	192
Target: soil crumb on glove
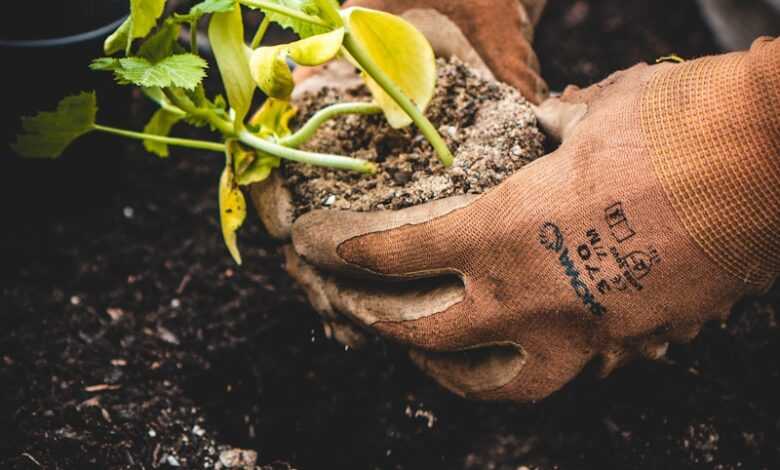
488	125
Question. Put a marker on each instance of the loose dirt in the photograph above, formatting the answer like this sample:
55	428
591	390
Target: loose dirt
489	127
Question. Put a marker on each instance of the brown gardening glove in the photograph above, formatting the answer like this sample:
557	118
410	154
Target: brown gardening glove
659	210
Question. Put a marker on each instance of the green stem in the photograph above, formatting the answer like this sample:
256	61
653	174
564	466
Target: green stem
260	32
194	37
191	143
319	159
367	64
287	11
225	127
307	130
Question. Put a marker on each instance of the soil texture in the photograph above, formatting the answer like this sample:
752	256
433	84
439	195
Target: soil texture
489	127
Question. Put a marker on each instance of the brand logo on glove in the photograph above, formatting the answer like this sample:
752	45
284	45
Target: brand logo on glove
551	238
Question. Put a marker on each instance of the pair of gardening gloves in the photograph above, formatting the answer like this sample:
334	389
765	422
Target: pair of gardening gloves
659	210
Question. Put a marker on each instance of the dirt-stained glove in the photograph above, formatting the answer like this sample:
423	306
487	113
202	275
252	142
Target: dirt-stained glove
659	210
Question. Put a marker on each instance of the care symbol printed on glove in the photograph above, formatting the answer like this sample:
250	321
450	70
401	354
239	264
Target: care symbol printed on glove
551	237
618	223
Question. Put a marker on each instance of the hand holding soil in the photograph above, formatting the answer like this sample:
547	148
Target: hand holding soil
596	252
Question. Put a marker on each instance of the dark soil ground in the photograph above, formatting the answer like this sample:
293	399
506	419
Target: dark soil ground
489	127
129	339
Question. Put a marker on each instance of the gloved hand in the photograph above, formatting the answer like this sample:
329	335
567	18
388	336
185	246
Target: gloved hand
659	210
453	28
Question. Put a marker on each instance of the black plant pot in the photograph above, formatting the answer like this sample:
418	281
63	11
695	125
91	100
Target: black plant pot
45	49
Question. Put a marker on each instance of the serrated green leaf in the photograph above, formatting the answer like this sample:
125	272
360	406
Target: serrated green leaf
160	124
180	70
48	134
161	44
232	206
302	28
226	35
205	8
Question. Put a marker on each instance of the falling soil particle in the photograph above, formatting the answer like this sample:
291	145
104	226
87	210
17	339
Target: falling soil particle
489	127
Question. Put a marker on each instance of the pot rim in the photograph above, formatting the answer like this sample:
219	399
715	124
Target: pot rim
64	40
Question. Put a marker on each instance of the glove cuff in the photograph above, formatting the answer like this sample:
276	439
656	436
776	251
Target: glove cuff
713	129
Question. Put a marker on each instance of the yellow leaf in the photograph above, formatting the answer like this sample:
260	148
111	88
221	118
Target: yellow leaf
316	50
401	52
273	118
232	209
269	68
270	71
226	36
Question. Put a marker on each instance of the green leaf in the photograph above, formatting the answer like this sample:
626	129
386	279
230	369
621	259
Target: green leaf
180	70
143	17
160	124
232	206
269	68
161	44
48	134
302	28
118	40
401	52
226	35
205	8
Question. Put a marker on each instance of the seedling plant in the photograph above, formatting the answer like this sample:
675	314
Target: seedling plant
396	61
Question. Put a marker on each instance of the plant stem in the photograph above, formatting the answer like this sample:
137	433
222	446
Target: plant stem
287	11
319	159
367	64
260	32
194	37
307	130
191	143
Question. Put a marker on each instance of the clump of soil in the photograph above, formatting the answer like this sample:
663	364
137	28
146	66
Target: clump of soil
488	125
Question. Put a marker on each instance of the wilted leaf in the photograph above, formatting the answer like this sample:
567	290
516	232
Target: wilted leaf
270	71
269	68
250	166
47	134
226	35
403	54
273	118
316	50
232	208
160	124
